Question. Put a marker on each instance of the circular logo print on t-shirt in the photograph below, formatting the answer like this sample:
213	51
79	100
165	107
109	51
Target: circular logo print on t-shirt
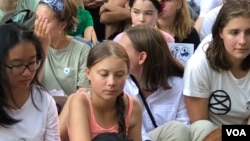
219	102
66	70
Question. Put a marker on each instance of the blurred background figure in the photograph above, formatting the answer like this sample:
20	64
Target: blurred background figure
84	31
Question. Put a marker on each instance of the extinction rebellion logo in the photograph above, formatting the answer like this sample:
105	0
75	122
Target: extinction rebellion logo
220	104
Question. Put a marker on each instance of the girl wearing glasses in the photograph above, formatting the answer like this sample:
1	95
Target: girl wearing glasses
27	111
105	108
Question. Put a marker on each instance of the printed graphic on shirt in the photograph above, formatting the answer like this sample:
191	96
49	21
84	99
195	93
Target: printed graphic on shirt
66	70
219	102
181	51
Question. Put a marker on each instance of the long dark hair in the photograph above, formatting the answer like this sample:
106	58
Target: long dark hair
216	53
98	53
159	64
10	35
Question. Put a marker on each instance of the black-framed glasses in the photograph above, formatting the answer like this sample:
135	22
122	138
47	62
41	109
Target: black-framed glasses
19	69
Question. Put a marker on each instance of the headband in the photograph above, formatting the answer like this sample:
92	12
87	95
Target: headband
56	5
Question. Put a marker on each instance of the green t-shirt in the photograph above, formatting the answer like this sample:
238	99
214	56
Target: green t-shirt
65	69
85	20
22	4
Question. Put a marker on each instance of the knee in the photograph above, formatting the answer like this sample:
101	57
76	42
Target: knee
178	130
201	125
200	129
177	125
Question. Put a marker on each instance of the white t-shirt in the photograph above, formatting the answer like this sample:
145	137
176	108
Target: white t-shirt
35	125
227	95
208	22
207	5
204	43
165	105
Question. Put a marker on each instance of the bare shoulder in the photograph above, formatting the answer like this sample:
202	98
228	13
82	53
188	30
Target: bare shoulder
136	113
136	105
79	99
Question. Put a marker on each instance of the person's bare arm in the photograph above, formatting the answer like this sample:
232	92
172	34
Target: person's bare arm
64	115
134	131
90	34
112	14
197	108
86	2
110	29
198	24
114	11
93	3
63	119
42	33
94	38
78	120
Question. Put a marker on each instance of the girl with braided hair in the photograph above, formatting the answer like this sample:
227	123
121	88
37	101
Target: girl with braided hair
105	108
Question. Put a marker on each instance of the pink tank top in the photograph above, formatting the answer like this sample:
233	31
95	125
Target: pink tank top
169	38
96	129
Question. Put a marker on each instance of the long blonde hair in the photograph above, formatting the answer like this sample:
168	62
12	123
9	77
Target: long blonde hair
183	23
